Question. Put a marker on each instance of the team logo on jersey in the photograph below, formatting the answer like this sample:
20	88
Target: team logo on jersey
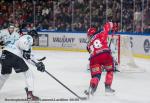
28	39
146	46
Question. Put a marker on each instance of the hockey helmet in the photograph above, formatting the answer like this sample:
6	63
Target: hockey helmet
91	31
33	33
11	28
11	25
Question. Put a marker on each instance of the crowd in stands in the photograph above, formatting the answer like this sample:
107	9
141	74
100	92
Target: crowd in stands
75	15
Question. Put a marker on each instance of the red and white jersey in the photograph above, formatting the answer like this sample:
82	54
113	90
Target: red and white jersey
98	43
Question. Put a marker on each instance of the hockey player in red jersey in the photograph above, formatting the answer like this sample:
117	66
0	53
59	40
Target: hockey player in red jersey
100	57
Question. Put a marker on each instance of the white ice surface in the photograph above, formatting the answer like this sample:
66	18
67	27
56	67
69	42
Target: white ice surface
70	69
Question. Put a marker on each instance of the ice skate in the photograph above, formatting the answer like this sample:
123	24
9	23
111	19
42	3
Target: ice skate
30	95
90	92
109	90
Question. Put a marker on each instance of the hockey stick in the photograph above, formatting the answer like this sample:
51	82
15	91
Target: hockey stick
79	97
116	70
41	59
114	28
111	39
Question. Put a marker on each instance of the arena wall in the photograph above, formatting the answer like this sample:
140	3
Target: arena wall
69	41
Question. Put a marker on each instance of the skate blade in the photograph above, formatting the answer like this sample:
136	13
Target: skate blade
86	92
109	94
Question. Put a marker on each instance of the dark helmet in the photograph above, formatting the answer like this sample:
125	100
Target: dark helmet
33	33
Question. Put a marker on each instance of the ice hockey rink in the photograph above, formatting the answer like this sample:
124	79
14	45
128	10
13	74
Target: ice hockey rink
71	69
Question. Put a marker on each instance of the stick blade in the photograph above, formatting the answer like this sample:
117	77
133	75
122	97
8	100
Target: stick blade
83	98
42	59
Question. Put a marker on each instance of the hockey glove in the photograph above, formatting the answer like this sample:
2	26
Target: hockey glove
115	27
27	54
40	66
2	43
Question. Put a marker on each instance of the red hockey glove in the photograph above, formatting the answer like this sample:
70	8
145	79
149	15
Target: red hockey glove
115	27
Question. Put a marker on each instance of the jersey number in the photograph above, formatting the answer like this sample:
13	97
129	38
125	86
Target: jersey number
96	44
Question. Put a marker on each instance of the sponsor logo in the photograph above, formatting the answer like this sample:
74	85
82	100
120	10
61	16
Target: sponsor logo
83	40
43	40
96	69
146	46
65	41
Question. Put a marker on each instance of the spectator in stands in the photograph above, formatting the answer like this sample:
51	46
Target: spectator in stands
70	15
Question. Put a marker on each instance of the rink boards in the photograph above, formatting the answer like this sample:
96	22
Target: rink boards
140	44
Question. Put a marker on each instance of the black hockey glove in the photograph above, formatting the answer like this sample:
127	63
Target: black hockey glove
2	43
27	54
40	66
